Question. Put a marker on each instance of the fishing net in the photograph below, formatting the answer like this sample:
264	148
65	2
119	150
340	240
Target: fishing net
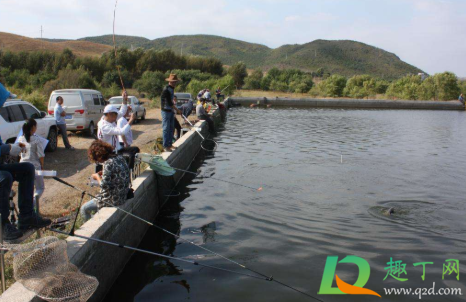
156	163
43	267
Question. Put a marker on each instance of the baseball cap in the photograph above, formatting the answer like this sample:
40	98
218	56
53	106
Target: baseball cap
110	108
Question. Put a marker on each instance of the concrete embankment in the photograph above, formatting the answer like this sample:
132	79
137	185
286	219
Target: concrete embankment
345	103
106	262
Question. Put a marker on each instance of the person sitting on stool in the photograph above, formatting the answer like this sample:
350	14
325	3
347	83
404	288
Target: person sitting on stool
114	180
202	115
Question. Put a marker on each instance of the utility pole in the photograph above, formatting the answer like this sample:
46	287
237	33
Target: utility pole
315	54
42	41
182	44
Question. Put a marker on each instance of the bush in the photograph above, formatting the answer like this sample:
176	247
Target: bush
111	91
405	88
446	86
112	77
254	80
333	86
152	83
37	99
70	78
441	86
276	85
363	86
239	73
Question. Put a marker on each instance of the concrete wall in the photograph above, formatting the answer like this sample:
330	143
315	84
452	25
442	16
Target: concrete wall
106	262
346	103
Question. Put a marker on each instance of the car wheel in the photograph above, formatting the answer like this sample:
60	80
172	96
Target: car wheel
143	117
136	118
53	140
91	129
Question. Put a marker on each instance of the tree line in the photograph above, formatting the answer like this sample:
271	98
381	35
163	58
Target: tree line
35	74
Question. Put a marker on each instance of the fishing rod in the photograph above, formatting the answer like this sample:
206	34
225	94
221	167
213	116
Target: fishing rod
218	179
114	47
203	138
262	276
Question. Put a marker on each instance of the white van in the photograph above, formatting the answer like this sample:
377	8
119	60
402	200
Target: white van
84	108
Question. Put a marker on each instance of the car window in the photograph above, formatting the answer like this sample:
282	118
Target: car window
136	101
116	101
30	111
96	99
102	100
69	99
16	114
4	114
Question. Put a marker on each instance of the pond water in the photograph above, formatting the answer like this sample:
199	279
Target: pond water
328	178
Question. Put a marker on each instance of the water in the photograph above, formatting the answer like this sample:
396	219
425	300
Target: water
328	177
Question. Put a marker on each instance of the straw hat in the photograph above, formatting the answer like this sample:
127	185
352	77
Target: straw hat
172	78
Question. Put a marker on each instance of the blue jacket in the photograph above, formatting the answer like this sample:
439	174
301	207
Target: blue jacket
4	95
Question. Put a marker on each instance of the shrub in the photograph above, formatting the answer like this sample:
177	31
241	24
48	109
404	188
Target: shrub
362	86
70	78
333	86
276	85
152	83
37	99
254	80
239	73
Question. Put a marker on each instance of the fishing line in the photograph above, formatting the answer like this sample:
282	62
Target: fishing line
263	276
203	138
115	49
222	180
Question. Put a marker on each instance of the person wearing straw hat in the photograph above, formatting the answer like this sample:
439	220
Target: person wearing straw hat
168	112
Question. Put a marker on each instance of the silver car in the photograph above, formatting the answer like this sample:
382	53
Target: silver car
136	105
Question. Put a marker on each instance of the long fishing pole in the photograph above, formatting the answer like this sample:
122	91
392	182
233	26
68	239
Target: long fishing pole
203	138
263	276
157	254
217	179
114	47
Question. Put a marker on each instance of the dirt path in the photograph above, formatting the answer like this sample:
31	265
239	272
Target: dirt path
74	167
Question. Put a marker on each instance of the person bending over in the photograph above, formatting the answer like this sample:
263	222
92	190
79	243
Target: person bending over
202	115
114	179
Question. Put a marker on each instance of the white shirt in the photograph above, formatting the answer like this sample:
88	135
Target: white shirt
122	122
109	132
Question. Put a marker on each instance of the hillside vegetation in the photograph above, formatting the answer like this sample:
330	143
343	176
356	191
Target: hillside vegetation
16	43
344	57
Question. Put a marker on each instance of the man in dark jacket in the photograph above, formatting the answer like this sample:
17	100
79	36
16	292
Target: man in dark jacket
24	173
168	112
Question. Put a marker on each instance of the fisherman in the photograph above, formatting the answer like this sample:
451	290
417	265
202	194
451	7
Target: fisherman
461	99
59	114
24	174
168	112
202	114
218	94
201	94
177	129
187	109
114	179
108	130
126	140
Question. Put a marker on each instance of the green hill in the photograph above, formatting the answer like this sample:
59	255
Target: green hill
120	40
343	57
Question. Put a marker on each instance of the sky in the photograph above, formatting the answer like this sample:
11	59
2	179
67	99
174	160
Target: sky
429	34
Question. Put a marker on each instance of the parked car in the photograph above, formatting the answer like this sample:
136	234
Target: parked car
182	98
14	112
136	105
84	108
